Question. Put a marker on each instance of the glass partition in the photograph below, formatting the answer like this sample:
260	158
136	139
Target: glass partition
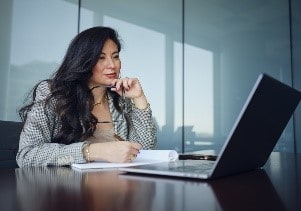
35	39
296	59
227	45
197	60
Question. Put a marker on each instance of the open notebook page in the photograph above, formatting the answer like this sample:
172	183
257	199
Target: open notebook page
144	157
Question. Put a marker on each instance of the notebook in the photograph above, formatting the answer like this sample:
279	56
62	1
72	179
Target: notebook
144	157
251	140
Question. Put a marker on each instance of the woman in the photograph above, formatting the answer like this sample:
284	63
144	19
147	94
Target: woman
82	113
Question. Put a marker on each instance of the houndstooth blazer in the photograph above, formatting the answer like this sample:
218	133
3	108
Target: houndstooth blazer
42	124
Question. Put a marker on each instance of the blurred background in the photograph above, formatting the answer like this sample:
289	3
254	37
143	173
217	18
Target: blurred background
196	59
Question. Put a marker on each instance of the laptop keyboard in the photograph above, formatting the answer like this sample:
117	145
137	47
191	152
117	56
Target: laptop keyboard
199	167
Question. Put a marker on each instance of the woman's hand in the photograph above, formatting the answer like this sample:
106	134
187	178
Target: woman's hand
114	151
132	89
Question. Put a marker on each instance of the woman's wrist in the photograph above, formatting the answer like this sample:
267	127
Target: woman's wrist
96	151
140	102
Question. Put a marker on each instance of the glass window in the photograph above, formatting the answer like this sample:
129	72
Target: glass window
296	40
227	45
196	88
35	40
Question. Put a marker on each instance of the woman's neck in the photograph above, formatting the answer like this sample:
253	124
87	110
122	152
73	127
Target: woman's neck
99	94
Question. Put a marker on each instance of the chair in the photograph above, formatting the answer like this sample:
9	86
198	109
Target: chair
9	143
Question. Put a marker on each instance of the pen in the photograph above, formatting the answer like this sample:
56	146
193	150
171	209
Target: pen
197	157
106	86
118	137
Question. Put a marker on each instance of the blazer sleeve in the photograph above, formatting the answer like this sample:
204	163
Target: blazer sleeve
141	127
35	147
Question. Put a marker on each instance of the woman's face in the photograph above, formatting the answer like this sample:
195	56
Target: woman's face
107	67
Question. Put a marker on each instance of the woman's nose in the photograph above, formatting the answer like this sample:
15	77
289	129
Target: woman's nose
110	63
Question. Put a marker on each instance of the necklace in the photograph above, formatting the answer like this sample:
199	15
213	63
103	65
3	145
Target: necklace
103	100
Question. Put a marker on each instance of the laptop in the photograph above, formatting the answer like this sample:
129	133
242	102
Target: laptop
251	140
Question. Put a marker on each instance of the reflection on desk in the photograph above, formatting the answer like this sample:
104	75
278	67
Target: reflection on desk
277	187
65	189
254	191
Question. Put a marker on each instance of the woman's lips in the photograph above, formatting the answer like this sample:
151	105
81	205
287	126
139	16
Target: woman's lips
111	75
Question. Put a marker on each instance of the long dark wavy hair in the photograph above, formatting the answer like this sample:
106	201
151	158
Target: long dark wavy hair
69	86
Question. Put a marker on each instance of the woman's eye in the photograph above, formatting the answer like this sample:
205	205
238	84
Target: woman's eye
102	57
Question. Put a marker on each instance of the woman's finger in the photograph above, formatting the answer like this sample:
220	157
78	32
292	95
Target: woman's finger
130	81
125	83
119	84
134	152
136	146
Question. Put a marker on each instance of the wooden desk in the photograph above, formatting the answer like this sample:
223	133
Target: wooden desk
277	187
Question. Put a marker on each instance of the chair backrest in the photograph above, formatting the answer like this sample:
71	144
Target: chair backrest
9	143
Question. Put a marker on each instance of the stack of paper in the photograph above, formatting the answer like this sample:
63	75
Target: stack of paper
143	158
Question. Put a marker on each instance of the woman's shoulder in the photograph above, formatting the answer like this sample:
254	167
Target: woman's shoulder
43	89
